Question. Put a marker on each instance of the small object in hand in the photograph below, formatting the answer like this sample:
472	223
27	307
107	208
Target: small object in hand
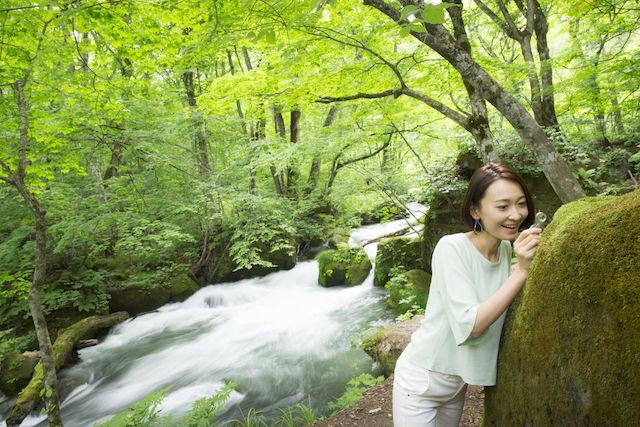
541	220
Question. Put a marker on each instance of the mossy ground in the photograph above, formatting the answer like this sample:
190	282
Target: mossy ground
570	352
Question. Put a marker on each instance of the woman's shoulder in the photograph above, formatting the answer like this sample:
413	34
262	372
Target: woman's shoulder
452	241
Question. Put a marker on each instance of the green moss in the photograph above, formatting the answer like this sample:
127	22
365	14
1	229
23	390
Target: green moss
182	287
396	252
571	344
343	267
15	372
136	299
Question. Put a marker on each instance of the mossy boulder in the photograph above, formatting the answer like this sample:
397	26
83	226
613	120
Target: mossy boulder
138	298
403	252
407	290
16	370
570	352
181	287
386	344
343	267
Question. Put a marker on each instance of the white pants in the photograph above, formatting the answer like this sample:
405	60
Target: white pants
423	398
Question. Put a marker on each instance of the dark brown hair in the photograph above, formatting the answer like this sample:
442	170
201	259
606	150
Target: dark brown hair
481	179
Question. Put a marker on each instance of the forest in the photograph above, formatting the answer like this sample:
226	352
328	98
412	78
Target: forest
166	145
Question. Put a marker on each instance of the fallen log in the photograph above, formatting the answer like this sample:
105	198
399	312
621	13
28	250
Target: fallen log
30	396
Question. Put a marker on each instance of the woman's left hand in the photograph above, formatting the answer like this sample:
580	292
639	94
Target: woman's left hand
525	246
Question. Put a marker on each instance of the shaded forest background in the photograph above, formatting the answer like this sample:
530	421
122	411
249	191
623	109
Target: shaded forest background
142	140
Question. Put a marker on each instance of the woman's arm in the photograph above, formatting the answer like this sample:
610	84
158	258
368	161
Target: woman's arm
492	308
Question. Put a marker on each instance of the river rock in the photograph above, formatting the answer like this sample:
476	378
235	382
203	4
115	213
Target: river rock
16	370
402	252
144	297
343	267
570	352
386	345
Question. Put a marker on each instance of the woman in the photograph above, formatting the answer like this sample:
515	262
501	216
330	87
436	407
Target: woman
472	285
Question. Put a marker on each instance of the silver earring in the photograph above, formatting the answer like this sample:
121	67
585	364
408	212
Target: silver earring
477	227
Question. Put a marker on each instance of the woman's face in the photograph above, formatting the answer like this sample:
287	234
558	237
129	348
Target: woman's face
503	208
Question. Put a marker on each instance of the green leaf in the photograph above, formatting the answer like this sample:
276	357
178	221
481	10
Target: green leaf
408	10
434	13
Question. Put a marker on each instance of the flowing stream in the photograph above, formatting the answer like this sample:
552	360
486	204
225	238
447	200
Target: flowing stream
282	338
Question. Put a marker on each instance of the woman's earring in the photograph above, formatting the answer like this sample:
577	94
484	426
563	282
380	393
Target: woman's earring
477	227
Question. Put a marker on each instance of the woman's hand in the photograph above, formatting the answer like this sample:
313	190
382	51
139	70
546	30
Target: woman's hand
525	247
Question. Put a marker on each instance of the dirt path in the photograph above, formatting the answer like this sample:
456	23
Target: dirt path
374	409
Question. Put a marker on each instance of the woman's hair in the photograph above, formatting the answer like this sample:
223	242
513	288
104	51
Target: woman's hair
481	179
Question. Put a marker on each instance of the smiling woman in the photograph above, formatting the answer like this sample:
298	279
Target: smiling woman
472	286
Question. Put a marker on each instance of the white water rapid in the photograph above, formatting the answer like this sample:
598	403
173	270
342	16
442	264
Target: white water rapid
282	338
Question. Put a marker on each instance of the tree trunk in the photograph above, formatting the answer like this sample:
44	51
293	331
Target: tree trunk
541	28
292	170
478	122
591	64
618	124
279	180
316	161
201	139
40	265
67	339
554	166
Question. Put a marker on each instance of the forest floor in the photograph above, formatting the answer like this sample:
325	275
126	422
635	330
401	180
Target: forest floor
374	409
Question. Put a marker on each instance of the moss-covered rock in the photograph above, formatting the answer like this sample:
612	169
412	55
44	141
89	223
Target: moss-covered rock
396	252
182	287
16	370
343	267
571	344
138	298
386	344
407	290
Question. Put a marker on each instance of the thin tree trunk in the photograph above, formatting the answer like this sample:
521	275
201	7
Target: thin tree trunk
247	60
541	28
201	140
618	124
279	180
540	81
40	266
591	64
478	122
316	161
292	170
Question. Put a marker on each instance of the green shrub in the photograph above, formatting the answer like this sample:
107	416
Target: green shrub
356	387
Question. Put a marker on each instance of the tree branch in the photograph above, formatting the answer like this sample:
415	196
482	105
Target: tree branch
366	156
353	42
452	114
329	99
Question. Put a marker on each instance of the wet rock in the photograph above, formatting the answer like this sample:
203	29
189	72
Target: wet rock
343	267
387	344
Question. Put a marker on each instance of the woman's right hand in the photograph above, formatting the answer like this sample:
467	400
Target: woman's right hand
525	247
